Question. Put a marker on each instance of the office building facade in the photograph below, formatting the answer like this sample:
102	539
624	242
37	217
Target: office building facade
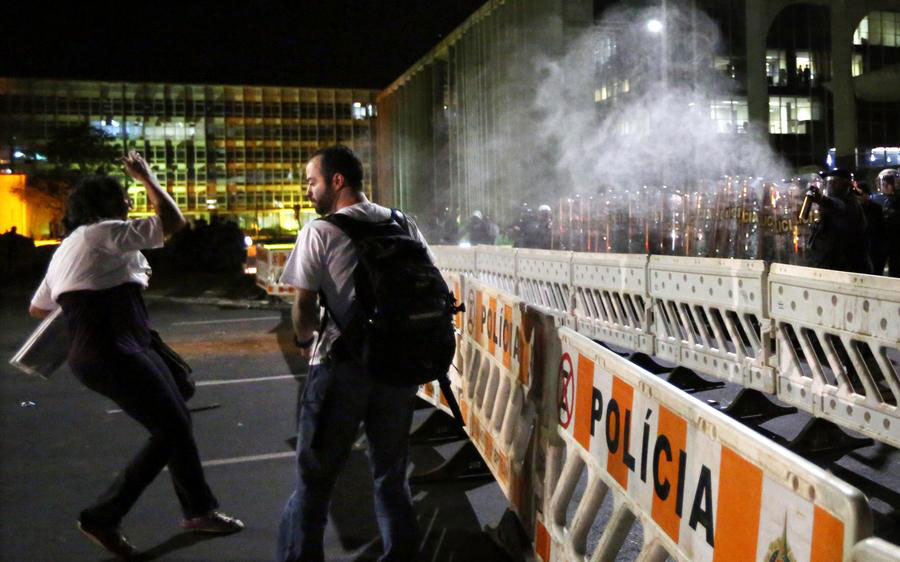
235	152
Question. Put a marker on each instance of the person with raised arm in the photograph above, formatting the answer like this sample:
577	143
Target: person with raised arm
97	276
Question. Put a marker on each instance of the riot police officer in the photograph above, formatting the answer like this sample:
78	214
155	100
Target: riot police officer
838	241
889	199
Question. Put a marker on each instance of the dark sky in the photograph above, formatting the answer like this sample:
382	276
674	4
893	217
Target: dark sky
361	44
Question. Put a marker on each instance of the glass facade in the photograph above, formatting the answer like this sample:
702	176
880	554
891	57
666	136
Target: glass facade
231	151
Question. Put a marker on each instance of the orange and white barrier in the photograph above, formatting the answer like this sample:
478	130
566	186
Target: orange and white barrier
545	279
875	550
498	399
703	486
612	302
710	317
838	346
835	336
496	266
270	262
455	259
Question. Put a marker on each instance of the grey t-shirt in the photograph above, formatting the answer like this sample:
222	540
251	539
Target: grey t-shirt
323	259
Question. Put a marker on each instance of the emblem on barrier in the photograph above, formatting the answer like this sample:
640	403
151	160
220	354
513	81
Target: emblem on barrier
566	391
779	549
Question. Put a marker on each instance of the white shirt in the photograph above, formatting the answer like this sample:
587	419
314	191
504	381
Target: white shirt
100	256
323	259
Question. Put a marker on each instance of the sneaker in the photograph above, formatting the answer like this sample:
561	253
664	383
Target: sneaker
110	538
214	523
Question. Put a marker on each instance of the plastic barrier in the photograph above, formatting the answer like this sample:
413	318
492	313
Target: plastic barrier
496	266
703	486
545	279
838	346
714	316
455	259
612	302
269	265
875	550
498	402
710	316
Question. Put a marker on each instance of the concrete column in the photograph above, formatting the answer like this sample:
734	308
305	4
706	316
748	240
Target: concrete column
844	96
757	13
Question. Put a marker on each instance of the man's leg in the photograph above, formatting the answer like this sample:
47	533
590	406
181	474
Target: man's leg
331	410
387	428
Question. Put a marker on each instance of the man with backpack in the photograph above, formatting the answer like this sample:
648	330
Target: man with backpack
370	269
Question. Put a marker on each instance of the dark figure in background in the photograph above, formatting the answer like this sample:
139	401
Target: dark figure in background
838	241
97	275
520	231
874	227
479	230
446	228
544	230
889	199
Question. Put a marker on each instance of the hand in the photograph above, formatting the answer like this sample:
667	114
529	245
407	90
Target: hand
814	193
138	168
306	349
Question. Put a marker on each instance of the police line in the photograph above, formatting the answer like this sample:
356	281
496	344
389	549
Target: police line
720	317
542	404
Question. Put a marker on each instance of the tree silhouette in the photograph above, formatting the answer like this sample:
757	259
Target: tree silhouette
71	153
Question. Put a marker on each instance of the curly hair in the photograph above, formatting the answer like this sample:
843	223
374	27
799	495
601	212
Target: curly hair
93	199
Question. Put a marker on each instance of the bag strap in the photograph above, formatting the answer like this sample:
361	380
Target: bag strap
444	382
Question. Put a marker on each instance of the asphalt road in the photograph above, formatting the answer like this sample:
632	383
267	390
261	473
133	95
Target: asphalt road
62	444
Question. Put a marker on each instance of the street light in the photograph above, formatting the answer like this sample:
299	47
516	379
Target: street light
654	26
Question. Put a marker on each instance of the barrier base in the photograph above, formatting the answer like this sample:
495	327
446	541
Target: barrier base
438	427
510	535
690	382
465	464
822	441
647	363
752	407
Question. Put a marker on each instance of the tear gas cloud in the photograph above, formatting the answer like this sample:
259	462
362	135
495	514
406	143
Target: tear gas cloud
657	129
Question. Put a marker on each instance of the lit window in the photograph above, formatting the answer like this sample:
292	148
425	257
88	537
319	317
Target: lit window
730	116
879	28
776	67
790	115
857	64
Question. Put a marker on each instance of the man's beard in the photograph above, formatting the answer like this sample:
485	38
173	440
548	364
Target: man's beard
326	202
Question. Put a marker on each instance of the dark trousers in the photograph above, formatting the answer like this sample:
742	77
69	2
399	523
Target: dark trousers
140	383
336	399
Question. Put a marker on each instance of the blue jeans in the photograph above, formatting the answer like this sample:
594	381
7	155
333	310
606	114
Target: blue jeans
336	399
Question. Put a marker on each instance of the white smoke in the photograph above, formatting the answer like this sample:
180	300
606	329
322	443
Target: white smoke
657	128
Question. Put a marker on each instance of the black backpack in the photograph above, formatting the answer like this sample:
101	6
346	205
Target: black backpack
400	325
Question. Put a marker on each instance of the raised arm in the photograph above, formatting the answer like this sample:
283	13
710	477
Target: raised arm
165	207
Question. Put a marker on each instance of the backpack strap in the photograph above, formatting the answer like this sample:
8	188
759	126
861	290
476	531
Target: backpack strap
400	218
444	382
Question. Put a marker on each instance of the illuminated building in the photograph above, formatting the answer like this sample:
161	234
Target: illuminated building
231	151
456	132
